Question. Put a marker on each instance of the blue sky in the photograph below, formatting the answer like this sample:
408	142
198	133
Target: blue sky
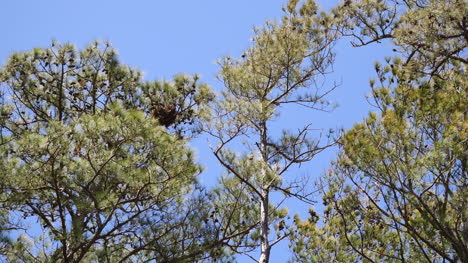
163	38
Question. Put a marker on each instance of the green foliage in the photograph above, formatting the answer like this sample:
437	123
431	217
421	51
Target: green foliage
84	152
427	31
98	159
282	67
4	238
398	190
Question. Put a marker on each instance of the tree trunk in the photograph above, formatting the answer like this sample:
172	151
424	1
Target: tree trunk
264	201
264	243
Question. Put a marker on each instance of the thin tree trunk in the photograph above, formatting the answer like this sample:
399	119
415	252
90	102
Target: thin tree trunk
264	222
264	201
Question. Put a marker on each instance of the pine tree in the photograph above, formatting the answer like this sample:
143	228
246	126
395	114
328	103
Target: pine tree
98	159
398	191
282	68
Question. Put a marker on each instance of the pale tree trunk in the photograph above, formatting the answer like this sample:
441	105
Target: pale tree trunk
264	202
264	222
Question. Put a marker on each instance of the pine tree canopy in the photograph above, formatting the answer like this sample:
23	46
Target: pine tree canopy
98	164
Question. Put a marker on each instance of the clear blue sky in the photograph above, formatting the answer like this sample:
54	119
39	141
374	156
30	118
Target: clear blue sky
163	38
